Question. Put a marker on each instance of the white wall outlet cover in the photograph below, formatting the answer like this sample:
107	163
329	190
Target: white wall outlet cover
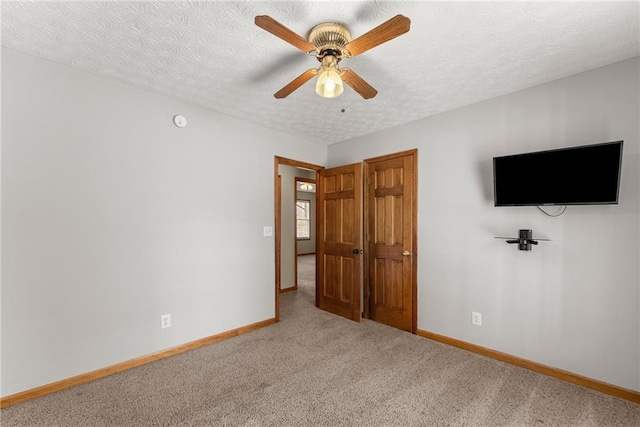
267	231
179	121
476	318
165	321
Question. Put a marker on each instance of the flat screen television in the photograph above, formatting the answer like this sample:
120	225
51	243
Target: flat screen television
584	175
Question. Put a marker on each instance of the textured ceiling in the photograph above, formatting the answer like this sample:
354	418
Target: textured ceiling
212	54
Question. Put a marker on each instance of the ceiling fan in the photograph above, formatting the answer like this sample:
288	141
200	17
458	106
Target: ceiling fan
330	42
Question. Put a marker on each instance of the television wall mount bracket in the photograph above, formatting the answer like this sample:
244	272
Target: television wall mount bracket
524	240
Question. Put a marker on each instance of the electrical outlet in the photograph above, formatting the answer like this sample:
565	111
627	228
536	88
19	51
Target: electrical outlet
267	231
476	318
165	321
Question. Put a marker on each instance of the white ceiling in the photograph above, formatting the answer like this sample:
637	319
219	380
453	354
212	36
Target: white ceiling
212	54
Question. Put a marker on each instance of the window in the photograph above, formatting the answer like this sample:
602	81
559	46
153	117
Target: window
303	223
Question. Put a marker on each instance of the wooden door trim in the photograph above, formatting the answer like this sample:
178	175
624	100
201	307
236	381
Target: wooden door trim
368	163
296	163
413	152
277	232
277	235
303	179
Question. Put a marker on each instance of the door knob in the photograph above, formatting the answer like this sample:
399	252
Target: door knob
357	251
406	253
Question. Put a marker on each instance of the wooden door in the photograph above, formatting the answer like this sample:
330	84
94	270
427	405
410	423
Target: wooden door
339	241
391	240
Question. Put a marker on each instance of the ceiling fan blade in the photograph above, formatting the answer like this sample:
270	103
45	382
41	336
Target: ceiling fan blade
269	24
296	83
358	84
394	27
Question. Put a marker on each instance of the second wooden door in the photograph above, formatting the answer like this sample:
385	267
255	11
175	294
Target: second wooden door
390	240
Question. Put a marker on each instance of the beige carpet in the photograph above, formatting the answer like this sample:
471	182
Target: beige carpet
316	369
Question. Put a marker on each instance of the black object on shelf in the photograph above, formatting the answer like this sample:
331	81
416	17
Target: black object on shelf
524	240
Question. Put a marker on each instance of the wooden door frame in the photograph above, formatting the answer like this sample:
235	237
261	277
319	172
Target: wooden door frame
414	225
277	185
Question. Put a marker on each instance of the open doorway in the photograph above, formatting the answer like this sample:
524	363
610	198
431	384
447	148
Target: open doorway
384	197
294	227
305	229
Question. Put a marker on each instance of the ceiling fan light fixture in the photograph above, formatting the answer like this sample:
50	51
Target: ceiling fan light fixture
329	84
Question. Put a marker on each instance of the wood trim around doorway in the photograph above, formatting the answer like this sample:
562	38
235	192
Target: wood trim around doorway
277	185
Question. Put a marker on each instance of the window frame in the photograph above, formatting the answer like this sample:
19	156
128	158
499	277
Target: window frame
308	219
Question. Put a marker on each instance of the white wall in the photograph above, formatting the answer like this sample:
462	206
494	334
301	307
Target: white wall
572	303
112	216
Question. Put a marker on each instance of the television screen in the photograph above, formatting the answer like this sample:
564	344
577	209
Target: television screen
584	175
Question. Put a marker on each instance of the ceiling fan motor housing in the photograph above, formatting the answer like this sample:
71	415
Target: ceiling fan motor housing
330	38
